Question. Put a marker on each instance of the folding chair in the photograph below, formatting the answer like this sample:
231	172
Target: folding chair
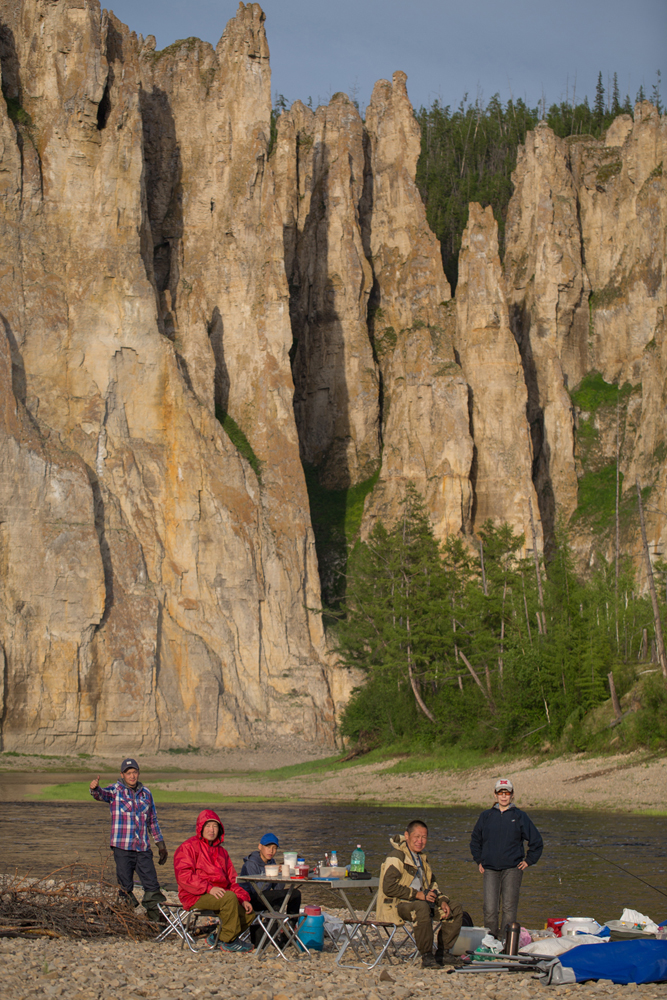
183	923
373	940
273	922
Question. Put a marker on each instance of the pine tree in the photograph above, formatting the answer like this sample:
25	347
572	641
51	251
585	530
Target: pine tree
641	96
616	98
598	106
655	94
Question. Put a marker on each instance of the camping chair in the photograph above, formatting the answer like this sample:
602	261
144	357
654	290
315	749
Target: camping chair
272	923
183	923
374	940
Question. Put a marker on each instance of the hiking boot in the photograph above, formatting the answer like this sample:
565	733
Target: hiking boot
212	939
431	961
236	945
455	961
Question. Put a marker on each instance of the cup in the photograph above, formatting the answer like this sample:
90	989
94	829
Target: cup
285	871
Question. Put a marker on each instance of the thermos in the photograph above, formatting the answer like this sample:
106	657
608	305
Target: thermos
512	938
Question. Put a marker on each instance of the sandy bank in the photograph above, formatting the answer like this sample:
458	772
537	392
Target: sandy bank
626	783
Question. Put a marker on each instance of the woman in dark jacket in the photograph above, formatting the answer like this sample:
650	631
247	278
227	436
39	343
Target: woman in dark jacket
496	845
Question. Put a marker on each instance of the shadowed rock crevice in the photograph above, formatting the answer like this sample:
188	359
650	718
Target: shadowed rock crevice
164	200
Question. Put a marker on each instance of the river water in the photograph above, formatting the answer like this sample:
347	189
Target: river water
568	880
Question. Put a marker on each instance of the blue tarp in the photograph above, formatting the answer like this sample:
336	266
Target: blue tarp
621	961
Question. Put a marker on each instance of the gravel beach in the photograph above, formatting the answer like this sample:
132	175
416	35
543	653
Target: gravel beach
125	970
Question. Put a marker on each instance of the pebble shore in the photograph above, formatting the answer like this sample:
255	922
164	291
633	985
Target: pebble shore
115	969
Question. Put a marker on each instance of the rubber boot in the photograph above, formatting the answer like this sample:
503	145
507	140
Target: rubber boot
127	899
150	902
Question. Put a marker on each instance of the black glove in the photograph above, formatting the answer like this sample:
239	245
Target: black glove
164	853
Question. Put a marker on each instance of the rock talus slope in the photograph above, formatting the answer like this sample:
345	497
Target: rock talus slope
135	298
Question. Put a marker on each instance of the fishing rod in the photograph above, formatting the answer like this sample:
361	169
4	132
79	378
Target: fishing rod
620	867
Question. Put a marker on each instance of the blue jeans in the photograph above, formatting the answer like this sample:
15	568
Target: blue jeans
505	885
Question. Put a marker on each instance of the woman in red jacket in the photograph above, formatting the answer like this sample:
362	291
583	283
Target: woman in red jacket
207	880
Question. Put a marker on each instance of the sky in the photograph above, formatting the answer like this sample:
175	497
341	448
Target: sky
448	48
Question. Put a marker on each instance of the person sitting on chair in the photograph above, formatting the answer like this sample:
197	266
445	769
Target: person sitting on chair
409	892
207	881
273	892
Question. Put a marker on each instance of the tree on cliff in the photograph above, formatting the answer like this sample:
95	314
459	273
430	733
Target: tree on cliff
392	630
469	154
453	643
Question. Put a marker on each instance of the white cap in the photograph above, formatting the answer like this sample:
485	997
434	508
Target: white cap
504	785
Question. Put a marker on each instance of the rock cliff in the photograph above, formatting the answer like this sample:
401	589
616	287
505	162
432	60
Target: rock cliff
585	281
155	583
188	322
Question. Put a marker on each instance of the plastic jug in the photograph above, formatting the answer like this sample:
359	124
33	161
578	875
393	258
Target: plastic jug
311	928
358	860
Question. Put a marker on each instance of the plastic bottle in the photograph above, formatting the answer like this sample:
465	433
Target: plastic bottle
333	859
311	928
358	860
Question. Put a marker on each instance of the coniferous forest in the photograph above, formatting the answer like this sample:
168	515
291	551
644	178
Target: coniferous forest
490	650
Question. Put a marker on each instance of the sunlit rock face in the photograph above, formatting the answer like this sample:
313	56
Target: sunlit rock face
187	321
584	264
502	469
155	588
320	171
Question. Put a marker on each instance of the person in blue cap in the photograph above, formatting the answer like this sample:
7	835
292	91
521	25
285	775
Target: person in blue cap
273	892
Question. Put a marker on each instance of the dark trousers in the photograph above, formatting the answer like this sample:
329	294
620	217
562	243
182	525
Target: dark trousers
501	885
420	914
141	862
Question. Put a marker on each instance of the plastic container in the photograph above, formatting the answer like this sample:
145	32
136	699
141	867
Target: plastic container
555	924
333	859
581	925
311	928
358	860
469	939
290	858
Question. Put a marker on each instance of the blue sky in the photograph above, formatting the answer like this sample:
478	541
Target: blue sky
528	48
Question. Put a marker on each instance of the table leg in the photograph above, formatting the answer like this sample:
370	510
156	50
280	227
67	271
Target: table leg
371	905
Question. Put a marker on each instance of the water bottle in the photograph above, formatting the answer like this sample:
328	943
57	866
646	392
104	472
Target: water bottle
358	860
333	859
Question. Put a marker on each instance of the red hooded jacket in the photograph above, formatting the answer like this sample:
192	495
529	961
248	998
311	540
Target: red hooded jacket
200	865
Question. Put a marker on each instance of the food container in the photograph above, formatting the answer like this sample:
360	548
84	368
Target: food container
325	871
469	939
290	858
301	871
285	871
272	871
580	925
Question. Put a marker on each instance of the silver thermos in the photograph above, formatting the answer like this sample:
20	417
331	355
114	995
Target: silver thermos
512	938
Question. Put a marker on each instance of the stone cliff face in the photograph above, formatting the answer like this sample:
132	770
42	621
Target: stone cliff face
585	280
154	587
320	172
502	468
425	434
186	323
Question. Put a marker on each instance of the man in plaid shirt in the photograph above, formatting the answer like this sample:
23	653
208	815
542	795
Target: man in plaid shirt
133	816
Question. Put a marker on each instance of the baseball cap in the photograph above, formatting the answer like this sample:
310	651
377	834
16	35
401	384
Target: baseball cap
270	838
127	764
504	785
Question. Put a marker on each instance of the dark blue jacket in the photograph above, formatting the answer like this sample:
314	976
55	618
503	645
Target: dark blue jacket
253	865
497	840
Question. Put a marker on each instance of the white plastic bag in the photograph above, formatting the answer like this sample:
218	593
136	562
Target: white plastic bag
493	944
633	917
557	946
